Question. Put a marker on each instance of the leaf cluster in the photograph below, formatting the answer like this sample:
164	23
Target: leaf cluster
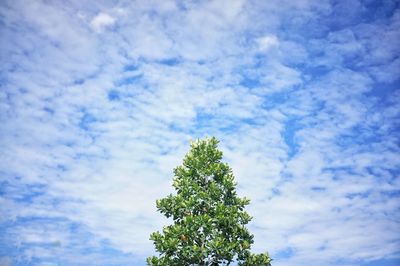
209	218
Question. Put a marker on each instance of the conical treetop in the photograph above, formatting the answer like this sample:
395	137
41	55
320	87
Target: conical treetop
209	217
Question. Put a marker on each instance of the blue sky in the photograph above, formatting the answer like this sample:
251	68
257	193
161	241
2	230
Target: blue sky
99	100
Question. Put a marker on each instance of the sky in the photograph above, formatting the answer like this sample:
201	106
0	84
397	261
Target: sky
99	100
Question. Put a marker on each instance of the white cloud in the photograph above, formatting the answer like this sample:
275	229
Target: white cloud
102	21
267	42
98	164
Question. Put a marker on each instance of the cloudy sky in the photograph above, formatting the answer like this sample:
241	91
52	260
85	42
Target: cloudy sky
99	100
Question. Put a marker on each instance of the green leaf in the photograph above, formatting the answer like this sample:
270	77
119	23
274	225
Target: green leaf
208	217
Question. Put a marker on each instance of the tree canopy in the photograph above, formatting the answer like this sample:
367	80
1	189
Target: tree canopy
208	217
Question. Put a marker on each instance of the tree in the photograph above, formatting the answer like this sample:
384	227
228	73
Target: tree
209	218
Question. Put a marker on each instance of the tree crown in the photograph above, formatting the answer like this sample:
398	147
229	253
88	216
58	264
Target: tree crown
209	217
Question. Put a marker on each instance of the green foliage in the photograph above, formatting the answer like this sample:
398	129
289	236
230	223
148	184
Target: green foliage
209	218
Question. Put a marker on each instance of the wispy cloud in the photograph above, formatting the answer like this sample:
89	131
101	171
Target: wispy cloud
102	21
98	103
267	42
